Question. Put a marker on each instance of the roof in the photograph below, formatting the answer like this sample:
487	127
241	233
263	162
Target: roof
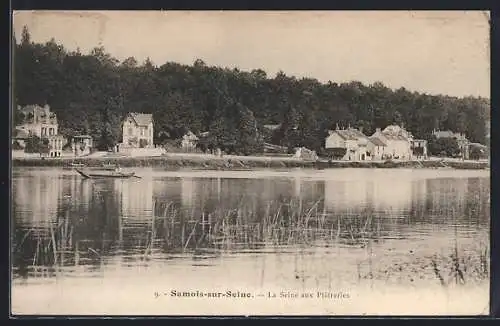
444	134
350	134
377	142
478	145
394	137
204	134
190	136
141	119
394	132
448	134
272	127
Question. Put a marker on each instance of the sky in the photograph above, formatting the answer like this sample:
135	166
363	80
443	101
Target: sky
435	52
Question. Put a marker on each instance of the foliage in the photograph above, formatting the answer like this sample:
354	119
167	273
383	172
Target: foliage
336	153
476	153
36	145
16	146
445	146
204	144
91	93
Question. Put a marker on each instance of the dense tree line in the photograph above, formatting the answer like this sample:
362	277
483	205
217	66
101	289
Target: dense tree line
90	93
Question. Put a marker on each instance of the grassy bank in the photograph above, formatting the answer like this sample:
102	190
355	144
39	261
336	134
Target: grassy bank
240	163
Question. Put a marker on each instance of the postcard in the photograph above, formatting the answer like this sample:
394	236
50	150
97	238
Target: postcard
250	163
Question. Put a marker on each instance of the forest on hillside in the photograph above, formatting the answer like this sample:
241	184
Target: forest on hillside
90	93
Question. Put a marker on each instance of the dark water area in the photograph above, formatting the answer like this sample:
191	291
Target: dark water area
285	229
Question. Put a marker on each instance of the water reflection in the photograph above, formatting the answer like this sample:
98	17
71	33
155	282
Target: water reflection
80	226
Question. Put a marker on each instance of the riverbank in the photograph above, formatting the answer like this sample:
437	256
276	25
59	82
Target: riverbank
240	162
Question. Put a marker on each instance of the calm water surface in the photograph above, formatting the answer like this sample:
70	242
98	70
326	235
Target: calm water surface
334	231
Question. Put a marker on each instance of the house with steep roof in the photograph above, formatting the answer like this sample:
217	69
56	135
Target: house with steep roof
138	130
397	141
376	147
352	140
189	141
38	121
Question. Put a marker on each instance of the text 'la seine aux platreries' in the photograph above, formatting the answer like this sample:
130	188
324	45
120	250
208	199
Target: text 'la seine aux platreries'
248	295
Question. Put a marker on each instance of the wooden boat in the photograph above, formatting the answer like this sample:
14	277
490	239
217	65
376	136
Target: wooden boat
105	174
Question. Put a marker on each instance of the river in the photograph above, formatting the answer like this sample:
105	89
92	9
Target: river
334	241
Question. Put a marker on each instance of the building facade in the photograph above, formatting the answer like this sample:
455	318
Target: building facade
376	148
189	141
56	143
419	148
82	145
38	121
138	130
397	140
352	140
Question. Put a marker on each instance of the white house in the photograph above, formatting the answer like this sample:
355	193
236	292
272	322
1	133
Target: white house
397	140
377	148
138	130
41	122
38	121
353	140
189	141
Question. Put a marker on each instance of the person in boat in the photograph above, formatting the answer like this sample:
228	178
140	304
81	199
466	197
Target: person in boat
118	168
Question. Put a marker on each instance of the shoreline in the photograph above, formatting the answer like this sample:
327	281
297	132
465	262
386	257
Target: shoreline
241	163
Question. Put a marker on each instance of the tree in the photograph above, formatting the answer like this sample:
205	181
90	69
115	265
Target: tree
309	133
35	144
17	116
90	92
445	146
476	153
336	153
250	141
288	133
25	36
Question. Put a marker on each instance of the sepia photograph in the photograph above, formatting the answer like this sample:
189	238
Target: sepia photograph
250	163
